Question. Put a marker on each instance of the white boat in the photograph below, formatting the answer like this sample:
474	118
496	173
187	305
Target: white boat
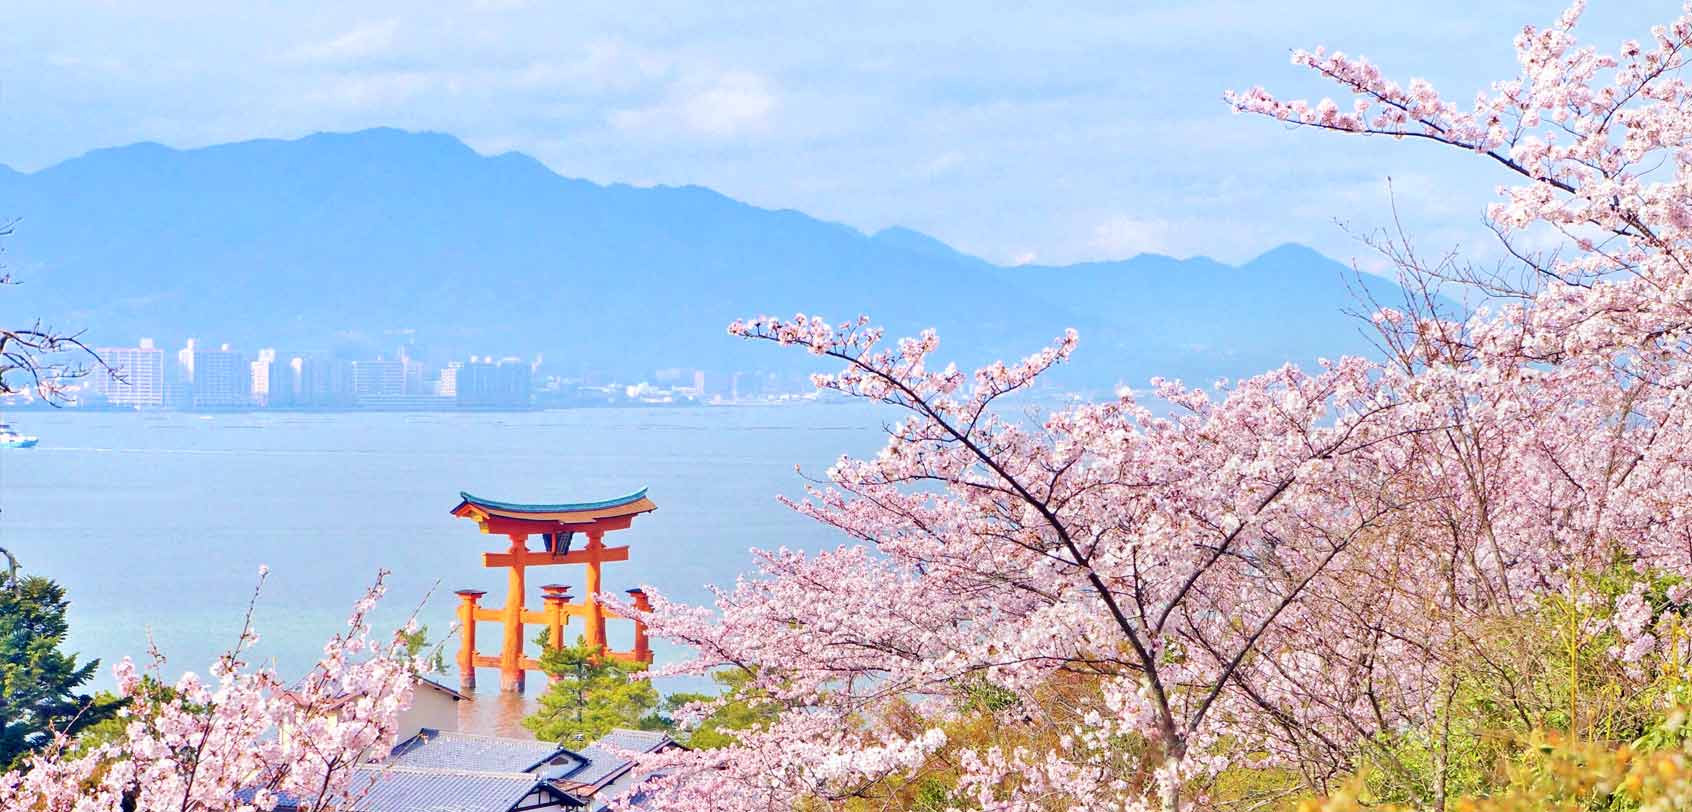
10	438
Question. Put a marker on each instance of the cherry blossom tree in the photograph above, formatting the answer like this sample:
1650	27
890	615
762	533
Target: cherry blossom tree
1162	554
1593	145
1597	144
1283	569
241	739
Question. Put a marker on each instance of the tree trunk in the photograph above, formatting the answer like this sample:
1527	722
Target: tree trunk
1169	784
1443	760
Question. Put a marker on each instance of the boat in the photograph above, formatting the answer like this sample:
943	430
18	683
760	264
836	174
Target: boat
10	438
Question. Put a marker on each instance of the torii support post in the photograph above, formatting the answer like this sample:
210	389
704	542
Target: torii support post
642	647
511	651
467	632
556	596
557	524
596	612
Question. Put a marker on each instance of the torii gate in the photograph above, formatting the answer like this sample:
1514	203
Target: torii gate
557	526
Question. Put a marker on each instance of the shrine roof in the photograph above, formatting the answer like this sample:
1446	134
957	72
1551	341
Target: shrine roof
450	749
607	768
565	513
381	787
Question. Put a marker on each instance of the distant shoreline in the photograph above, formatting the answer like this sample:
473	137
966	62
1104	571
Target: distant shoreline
761	404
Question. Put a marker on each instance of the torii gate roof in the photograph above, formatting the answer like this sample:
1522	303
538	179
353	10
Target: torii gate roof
608	514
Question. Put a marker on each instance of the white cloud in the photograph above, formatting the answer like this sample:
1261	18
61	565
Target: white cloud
363	42
730	104
927	122
363	91
93	65
616	64
943	164
603	66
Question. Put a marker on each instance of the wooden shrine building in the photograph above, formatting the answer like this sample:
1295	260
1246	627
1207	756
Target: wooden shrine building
557	527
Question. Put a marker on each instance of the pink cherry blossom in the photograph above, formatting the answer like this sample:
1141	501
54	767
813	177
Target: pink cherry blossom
1287	563
239	740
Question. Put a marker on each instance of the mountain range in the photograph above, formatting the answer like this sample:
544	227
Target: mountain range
355	242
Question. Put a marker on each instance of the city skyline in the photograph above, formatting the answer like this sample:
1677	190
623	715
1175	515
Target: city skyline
201	377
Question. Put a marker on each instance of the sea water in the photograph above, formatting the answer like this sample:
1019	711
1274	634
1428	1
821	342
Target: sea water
157	523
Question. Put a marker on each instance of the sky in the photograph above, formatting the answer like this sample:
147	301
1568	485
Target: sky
1016	133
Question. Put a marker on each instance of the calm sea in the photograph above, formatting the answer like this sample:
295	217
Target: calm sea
158	523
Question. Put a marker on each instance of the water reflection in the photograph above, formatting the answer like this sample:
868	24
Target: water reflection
496	713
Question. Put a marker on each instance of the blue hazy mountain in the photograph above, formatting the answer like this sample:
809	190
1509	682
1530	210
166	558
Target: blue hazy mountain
357	241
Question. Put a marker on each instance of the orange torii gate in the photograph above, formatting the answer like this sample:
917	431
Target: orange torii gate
557	525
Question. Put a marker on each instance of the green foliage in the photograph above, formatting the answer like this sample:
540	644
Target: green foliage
1513	687
417	644
152	695
982	695
1553	772
742	707
590	694
933	795
106	731
984	716
38	682
1553	666
1543	713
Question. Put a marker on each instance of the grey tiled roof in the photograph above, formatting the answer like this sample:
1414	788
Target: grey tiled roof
387	788
640	741
629	783
451	750
425	682
604	765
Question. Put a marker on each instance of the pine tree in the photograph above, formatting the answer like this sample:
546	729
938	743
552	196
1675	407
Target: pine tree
38	682
590	694
742	707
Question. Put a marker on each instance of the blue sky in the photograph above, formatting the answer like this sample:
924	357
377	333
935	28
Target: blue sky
1093	131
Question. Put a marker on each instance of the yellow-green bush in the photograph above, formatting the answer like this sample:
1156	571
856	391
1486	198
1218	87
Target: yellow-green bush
1543	715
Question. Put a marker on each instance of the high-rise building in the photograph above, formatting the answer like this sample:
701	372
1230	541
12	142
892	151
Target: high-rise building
281	383
179	377
489	385
132	376
447	386
414	371
185	361
378	378
222	379
260	377
321	383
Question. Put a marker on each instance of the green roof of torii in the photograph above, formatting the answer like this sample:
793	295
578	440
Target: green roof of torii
567	507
